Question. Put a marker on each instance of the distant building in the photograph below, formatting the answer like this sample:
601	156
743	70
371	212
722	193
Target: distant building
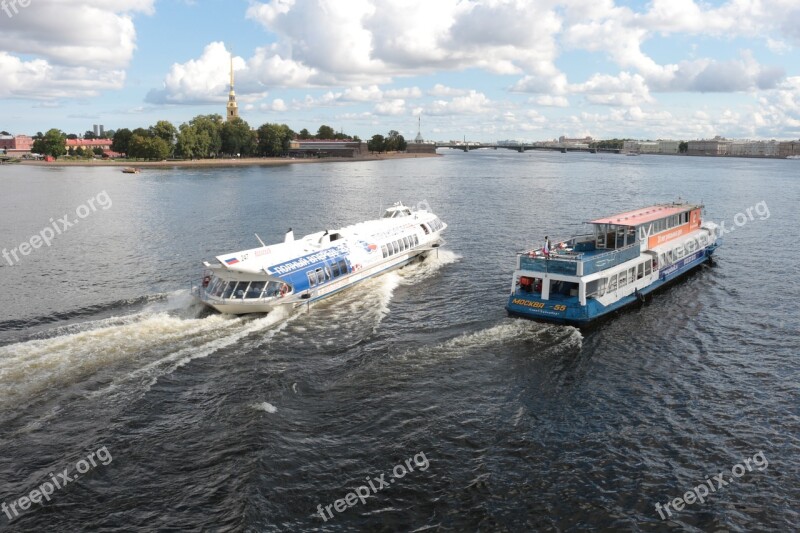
789	148
90	144
669	147
16	144
232	107
326	148
715	146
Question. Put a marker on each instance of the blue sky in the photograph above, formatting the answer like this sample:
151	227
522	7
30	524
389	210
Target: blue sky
482	69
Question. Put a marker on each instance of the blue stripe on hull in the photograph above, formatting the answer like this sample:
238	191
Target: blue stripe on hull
344	287
569	311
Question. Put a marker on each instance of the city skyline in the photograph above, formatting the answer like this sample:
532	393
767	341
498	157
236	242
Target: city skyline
483	70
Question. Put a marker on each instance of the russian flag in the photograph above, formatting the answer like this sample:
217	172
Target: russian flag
231	261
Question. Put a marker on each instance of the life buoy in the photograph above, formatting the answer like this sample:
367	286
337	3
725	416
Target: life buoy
206	280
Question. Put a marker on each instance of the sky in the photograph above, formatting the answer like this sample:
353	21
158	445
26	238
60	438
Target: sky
484	70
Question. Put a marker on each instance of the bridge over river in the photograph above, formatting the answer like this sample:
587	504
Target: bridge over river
523	147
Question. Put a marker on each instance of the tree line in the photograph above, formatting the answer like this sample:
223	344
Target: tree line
205	136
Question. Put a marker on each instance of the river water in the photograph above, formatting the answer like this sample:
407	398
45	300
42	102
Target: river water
469	419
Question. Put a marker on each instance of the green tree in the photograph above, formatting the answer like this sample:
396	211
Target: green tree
146	147
80	152
164	129
89	135
97	150
71	151
238	138
394	142
52	143
304	134
376	144
121	140
209	126
683	147
72	136
190	144
325	132
274	139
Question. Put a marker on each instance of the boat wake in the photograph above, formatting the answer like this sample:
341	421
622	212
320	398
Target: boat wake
114	356
539	339
436	260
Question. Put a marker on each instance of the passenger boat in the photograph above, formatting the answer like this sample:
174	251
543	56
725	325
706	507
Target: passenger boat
130	170
296	272
624	258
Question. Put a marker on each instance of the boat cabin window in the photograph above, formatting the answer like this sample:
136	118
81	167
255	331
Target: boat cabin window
425	229
255	289
385	251
215	286
640	271
613	237
229	289
612	283
563	288
343	266
335	236
528	284
601	287
397	212
647	268
335	270
238	292
312	279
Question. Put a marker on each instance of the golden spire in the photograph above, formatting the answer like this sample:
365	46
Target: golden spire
232	110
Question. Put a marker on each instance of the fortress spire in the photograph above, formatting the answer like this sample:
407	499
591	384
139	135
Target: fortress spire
233	107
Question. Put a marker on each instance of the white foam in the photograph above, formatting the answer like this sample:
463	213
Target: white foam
436	260
265	406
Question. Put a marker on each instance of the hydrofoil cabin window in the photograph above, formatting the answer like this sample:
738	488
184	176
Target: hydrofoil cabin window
425	229
229	289
312	279
335	270
255	289
343	266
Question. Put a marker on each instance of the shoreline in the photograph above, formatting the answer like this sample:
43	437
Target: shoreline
238	162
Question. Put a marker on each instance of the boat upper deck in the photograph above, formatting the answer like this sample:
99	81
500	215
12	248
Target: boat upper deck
644	215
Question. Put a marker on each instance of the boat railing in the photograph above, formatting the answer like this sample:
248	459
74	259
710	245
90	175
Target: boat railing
570	262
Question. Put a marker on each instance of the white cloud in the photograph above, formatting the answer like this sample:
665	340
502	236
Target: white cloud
623	90
441	91
407	92
473	103
79	52
391	107
547	100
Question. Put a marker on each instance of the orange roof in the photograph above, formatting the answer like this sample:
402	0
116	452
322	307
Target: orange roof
645	214
88	142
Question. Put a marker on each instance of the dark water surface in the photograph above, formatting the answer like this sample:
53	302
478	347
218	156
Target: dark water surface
207	421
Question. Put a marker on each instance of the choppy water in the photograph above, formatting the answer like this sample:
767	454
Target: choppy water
251	423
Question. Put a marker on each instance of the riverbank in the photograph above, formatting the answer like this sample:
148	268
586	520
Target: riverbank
237	162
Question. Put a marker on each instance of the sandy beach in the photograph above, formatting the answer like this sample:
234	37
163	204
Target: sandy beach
237	162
